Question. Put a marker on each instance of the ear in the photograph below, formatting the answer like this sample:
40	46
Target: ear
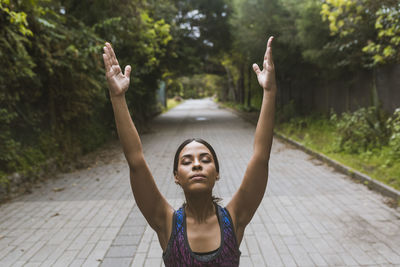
217	178
176	179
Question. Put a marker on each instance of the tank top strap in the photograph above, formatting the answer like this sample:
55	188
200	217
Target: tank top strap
226	218
230	239
179	217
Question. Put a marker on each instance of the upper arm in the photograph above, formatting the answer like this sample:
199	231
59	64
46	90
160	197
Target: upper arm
246	200
149	199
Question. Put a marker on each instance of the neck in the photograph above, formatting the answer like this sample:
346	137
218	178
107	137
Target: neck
199	207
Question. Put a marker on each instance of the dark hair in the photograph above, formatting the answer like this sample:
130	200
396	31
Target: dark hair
198	140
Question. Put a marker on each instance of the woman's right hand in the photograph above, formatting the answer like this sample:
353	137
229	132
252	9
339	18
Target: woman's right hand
118	82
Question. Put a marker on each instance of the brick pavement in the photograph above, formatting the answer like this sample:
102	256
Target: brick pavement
310	215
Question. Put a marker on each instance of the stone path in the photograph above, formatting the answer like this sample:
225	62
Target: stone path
310	215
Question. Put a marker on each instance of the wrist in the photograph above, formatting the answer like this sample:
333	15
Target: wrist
270	92
118	97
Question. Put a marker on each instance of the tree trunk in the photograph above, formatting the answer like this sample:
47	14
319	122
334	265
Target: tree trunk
240	83
249	87
52	111
225	95
374	90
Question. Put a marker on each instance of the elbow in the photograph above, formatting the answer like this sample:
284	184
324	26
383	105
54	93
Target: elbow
261	158
135	161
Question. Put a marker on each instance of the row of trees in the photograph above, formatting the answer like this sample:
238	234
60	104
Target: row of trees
53	99
318	44
53	96
317	41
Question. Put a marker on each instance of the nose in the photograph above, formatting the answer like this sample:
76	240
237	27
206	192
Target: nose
196	165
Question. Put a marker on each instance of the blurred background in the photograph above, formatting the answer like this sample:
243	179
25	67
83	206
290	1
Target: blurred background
337	67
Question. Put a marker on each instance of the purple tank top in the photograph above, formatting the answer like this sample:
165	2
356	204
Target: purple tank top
178	252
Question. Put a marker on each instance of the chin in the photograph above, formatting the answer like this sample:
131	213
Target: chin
198	188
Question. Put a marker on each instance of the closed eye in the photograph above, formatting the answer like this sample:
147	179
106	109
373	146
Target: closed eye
206	158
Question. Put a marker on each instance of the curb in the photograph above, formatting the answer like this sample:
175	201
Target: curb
356	175
363	178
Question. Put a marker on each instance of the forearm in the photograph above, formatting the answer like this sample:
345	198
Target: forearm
127	132
265	126
147	196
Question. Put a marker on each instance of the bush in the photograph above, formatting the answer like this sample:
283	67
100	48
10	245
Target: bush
286	112
393	126
9	147
360	131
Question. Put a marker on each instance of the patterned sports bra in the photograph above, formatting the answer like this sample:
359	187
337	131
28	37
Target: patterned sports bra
178	252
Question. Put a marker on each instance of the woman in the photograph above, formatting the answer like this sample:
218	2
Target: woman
200	233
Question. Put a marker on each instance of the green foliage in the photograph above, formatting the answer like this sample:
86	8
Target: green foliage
314	35
393	126
343	15
387	46
201	32
286	112
173	102
361	130
251	32
366	25
250	36
197	86
140	41
9	147
17	19
16	72
53	95
237	106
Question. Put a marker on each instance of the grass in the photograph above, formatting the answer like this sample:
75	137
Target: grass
320	134
240	107
171	103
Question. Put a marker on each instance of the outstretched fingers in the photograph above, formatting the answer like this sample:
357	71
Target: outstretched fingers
127	71
110	60
111	63
269	46
268	53
113	57
256	69
106	64
107	58
271	38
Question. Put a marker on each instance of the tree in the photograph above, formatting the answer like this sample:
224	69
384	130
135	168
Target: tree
386	48
371	28
252	23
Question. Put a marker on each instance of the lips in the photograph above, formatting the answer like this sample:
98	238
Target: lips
198	176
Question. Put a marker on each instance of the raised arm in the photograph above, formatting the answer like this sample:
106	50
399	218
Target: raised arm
250	193
151	203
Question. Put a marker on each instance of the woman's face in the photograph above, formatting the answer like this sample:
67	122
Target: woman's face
196	168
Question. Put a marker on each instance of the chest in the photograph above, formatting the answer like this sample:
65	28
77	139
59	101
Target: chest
203	237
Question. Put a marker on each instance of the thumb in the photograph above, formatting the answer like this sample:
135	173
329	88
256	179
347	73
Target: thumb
128	71
256	68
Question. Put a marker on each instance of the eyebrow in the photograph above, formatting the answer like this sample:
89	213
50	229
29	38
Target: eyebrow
191	156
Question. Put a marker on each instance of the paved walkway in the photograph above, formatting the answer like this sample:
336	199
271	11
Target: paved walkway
310	215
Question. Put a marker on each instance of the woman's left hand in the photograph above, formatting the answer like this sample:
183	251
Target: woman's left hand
266	77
